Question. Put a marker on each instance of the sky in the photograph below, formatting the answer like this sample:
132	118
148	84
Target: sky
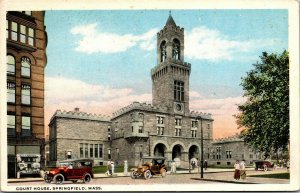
100	61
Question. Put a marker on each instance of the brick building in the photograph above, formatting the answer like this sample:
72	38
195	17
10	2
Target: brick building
75	134
26	60
225	151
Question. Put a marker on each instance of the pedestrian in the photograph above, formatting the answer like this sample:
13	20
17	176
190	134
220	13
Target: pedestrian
288	164
236	170
112	167
109	168
193	164
243	170
205	164
173	167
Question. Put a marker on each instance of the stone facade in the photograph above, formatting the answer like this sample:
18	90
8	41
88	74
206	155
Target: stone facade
136	132
74	134
164	128
225	151
26	42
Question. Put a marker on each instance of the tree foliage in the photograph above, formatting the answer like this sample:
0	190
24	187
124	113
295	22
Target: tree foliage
265	114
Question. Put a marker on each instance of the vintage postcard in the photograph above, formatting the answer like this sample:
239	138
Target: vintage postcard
139	96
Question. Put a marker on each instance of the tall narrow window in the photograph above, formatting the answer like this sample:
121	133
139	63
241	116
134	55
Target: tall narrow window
96	150
91	150
11	92
81	150
163	51
176	49
25	63
22	33
178	90
26	90
11	125
100	150
26	126
86	150
31	36
14	31
11	64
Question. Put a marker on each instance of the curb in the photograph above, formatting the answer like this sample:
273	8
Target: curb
224	181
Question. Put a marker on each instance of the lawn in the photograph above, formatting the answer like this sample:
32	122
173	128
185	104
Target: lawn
278	175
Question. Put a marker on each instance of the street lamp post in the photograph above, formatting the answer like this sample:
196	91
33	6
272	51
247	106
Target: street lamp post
201	160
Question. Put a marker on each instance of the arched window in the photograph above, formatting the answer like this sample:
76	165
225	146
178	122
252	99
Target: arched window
176	49
163	51
25	63
11	63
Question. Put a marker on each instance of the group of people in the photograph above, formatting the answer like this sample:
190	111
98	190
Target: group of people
239	170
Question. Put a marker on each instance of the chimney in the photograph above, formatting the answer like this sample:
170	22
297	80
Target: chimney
76	109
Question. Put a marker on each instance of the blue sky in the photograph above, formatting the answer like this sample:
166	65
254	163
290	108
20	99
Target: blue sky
102	59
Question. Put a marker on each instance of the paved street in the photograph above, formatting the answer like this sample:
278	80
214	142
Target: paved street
182	177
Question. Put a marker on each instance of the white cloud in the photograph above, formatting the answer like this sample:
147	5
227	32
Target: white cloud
194	94
97	41
66	94
222	110
219	106
208	44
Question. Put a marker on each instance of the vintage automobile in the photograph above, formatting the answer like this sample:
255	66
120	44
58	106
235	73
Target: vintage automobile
150	166
70	170
264	165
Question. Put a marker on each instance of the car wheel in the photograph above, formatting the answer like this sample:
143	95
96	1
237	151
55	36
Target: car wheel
47	178
59	179
87	178
133	175
147	174
74	181
163	172
265	168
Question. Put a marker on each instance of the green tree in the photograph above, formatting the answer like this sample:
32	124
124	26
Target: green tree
264	117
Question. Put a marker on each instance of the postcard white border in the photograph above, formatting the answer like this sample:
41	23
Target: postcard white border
293	9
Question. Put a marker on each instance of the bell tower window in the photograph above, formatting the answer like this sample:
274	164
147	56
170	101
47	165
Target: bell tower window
178	90
176	49
163	51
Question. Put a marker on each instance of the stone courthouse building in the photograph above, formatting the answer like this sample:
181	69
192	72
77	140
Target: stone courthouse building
166	127
225	151
75	134
26	42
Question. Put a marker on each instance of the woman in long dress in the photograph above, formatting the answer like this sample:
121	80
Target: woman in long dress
236	170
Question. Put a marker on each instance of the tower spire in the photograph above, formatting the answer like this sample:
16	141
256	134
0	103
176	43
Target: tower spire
170	20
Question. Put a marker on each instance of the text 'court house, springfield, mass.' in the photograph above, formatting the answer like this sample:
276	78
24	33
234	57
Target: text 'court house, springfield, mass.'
166	127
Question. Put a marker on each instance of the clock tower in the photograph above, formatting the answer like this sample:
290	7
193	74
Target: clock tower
170	77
